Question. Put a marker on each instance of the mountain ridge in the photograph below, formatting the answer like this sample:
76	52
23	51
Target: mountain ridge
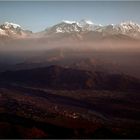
128	28
58	77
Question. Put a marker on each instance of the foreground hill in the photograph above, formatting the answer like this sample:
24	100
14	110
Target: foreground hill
57	77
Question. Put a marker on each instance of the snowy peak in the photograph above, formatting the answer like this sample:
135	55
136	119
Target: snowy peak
84	22
81	22
64	27
10	29
8	25
129	26
88	22
68	22
67	26
13	30
88	25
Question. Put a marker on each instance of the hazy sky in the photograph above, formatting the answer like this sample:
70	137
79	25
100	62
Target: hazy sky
36	16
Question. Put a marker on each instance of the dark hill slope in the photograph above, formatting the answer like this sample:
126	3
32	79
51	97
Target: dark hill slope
57	77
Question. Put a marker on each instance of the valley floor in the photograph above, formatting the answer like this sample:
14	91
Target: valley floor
27	112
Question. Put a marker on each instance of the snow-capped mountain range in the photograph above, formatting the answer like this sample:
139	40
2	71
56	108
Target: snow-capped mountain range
130	29
73	26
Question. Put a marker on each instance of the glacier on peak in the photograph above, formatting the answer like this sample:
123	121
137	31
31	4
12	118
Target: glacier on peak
8	25
129	25
89	22
84	21
69	22
81	22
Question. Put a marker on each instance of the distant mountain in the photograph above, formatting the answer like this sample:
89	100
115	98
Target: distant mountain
84	30
57	77
13	30
87	31
126	28
72	26
129	29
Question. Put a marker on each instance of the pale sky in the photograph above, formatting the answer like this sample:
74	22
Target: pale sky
38	15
